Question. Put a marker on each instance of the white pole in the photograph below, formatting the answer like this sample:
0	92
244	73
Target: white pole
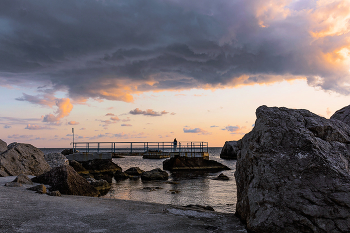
73	139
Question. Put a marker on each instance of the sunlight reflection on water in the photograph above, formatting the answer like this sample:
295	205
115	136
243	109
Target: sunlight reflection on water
184	189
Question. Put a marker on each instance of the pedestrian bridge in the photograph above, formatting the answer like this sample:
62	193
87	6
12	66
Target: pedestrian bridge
150	150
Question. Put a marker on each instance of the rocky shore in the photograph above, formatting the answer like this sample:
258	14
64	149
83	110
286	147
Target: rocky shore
26	211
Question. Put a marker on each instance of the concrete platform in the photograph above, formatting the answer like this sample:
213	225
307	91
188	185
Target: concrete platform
22	210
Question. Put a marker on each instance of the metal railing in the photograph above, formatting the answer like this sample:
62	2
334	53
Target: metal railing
140	147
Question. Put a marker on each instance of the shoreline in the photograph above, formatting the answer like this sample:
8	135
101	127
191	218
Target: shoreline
23	210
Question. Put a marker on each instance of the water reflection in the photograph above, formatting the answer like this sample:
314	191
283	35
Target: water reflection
182	188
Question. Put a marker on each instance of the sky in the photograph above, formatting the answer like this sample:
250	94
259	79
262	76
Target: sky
155	70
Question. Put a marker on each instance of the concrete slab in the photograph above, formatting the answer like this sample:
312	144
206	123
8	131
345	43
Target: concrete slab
22	210
82	156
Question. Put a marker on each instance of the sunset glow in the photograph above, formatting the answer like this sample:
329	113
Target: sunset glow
156	70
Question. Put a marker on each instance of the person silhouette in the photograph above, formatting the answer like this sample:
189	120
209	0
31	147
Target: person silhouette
175	144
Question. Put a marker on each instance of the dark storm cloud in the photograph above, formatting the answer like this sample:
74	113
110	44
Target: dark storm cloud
97	48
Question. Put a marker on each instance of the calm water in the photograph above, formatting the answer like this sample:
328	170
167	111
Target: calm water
183	188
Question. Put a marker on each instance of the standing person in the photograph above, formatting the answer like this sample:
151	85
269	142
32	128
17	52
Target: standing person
175	144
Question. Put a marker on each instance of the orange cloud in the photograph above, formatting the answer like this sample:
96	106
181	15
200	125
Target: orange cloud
64	108
73	123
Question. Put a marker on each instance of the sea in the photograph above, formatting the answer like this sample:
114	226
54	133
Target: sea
182	188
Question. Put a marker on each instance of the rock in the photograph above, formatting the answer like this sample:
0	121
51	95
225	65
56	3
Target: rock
101	168
54	193
22	159
68	151
101	185
56	159
13	184
150	189
134	171
23	179
342	115
178	163
155	174
119	175
199	207
66	180
222	177
292	173
229	150
38	188
78	167
3	146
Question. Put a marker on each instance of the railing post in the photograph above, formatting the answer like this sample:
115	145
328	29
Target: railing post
147	147
98	147
131	147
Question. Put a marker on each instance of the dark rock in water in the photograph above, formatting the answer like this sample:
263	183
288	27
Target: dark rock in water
66	180
23	179
119	175
189	163
22	158
101	185
54	193
101	168
155	174
150	189
229	150
68	151
134	171
342	115
13	184
222	177
292	173
38	188
3	146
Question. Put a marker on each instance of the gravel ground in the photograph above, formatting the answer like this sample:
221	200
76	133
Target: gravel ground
22	210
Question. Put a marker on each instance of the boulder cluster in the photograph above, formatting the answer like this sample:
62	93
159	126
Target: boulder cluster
292	172
89	178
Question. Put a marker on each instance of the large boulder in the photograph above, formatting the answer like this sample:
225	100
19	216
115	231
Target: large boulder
56	159
66	180
22	158
292	173
229	150
3	146
155	174
342	115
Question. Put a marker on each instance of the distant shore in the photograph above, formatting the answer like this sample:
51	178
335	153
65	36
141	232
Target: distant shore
26	211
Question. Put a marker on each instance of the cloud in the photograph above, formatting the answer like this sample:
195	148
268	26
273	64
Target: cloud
82	128
36	127
234	129
126	120
214	126
73	123
115	118
196	130
109	114
135	47
148	112
45	100
17	136
64	108
7	126
126	125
